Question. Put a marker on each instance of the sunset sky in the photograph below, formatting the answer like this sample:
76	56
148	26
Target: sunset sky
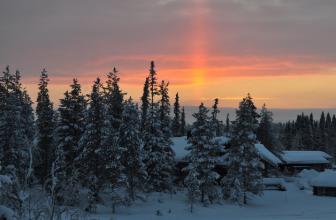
281	51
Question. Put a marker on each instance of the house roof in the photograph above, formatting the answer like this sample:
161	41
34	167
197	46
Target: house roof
325	179
267	155
305	157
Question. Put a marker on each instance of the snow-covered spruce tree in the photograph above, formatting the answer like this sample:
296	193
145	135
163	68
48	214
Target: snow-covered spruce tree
164	110
265	133
321	134
114	98
216	124
45	126
16	125
145	103
244	177
131	157
16	140
183	123
176	123
70	124
92	165
69	129
158	155
164	114
203	152
110	151
193	186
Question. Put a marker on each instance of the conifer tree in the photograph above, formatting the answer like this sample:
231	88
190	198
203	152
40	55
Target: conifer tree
145	103
176	124
70	125
114	98
158	155
328	121
265	133
322	123
45	127
91	160
321	138
217	124
329	134
131	157
69	129
193	186
16	124
110	150
202	153
183	123
333	122
153	88
244	166
164	110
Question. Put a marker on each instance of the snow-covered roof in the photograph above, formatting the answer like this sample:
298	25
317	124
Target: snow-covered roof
267	155
305	157
325	179
179	144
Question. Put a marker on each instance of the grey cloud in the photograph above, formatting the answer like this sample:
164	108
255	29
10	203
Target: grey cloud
67	35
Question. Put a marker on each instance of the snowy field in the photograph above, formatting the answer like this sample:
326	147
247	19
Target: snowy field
291	204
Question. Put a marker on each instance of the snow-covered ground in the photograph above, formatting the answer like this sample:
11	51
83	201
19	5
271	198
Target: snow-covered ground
287	205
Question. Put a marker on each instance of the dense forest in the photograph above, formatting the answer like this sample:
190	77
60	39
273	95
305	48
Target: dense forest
106	147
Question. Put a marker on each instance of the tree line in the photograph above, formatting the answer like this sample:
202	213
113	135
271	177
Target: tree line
104	143
308	133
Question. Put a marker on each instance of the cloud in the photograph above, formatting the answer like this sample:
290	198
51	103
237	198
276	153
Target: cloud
254	37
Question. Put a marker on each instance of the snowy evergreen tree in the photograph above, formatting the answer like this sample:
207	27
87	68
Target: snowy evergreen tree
183	123
45	127
69	129
110	152
203	154
16	124
265	132
70	125
164	110
16	141
176	123
193	186
131	157
114	98
244	166
153	88
216	124
91	161
158	154
145	103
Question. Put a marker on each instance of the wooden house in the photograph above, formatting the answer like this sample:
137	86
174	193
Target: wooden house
296	161
325	184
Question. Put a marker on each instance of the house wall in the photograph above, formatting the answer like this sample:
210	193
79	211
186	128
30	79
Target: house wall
292	169
324	191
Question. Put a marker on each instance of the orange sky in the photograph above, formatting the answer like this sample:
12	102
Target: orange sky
278	51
